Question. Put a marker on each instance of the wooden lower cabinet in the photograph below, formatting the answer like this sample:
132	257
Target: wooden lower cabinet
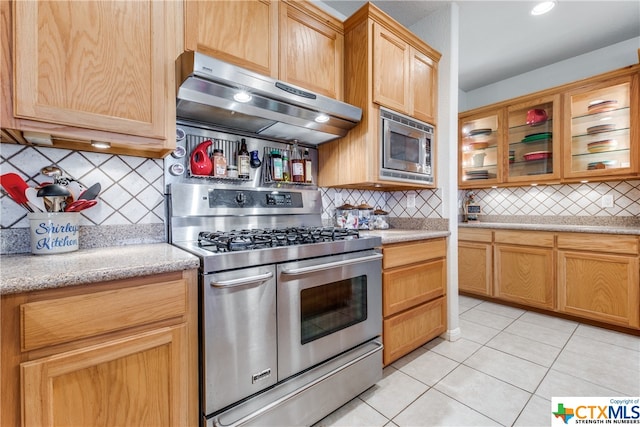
122	353
600	285
524	267
414	284
585	275
475	258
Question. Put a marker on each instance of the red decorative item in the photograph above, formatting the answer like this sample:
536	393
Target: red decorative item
536	116
200	162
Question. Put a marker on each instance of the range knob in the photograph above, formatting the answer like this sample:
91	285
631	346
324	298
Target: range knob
241	198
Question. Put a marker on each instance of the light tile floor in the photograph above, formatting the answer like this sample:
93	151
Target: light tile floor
504	371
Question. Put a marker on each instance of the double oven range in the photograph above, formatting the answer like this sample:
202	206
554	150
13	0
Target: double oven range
290	310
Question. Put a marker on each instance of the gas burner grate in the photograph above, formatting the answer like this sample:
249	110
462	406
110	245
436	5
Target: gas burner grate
243	240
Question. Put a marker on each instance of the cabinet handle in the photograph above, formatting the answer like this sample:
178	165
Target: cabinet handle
243	281
328	265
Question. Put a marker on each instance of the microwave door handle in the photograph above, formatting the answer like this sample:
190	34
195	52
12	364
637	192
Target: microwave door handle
243	281
328	265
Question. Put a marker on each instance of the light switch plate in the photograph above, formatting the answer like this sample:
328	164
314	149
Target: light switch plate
607	201
337	198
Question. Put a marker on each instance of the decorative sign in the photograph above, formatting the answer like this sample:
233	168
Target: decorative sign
472	211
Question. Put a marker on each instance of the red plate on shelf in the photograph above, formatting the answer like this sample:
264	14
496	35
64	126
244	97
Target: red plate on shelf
537	155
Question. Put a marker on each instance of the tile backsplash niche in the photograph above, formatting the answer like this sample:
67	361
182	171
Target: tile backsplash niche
131	207
597	203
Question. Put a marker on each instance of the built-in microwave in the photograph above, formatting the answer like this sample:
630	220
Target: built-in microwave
406	148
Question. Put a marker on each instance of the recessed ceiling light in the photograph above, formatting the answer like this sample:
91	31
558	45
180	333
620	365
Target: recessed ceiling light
543	7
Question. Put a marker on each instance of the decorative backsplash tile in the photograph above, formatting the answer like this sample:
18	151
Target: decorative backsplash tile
132	187
575	200
428	203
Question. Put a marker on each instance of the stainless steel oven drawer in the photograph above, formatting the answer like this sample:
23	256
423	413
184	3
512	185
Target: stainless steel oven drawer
311	396
239	351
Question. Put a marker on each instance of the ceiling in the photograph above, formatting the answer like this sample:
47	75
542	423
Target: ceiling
501	39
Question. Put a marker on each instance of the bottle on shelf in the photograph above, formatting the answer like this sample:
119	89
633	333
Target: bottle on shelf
244	161
276	165
308	170
286	169
297	164
219	163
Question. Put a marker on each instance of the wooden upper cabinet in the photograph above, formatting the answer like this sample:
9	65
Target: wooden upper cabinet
424	87
293	41
98	65
244	33
404	79
311	49
391	70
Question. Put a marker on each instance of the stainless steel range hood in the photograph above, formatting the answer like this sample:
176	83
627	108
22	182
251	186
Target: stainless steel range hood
275	109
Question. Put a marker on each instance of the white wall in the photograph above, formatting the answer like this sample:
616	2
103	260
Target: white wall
440	31
579	67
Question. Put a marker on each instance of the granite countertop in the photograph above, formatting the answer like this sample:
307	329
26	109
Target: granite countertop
397	236
27	272
605	229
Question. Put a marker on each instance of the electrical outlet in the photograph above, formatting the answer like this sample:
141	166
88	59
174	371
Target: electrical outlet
411	200
606	201
337	199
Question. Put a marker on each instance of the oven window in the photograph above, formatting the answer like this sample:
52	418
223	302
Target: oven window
328	308
404	148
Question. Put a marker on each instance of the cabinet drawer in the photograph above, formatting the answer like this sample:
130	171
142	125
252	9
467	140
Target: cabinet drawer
65	319
410	252
525	238
406	287
475	235
599	243
409	330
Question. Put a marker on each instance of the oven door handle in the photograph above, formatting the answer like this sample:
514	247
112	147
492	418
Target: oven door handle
243	281
328	265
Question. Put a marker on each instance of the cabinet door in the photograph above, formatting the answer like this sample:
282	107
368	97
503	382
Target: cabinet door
533	140
524	275
474	268
481	150
601	129
599	286
410	329
244	32
391	70
134	381
311	51
424	87
405	287
92	64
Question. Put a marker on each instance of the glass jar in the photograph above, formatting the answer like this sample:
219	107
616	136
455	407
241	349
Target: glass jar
364	216
380	219
219	163
232	171
346	216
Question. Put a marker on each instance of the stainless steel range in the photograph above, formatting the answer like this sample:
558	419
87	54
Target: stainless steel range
290	310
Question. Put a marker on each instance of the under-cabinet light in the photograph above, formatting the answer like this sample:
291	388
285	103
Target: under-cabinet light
242	96
101	144
322	118
543	7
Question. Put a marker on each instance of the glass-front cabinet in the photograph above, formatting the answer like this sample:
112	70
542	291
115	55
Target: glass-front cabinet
599	129
481	150
533	139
